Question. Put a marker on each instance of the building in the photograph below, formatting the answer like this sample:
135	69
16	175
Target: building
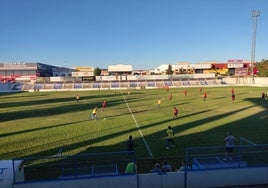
85	73
120	69
62	72
21	71
24	71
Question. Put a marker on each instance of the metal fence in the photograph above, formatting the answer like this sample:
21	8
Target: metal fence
246	154
76	166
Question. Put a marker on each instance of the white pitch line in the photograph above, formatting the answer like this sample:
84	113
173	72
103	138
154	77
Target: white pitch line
138	127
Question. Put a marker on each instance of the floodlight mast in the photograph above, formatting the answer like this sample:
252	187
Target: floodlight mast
255	14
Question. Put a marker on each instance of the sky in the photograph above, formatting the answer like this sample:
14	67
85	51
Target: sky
141	33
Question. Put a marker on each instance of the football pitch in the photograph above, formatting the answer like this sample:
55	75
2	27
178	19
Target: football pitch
41	123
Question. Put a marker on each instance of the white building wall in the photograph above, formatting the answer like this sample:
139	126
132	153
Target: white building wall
152	77
161	69
120	68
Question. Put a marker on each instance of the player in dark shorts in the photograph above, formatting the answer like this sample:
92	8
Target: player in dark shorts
175	112
229	145
233	97
104	104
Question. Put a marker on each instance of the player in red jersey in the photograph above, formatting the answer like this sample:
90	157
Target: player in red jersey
104	104
205	96
170	97
175	112
262	96
185	92
233	97
167	88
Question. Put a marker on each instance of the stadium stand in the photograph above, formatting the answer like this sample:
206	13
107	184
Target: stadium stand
159	84
38	86
48	85
27	87
6	86
168	83
210	81
96	85
150	84
87	85
202	81
106	85
220	81
114	84
193	82
185	82
133	84
58	86
177	83
18	87
67	86
142	84
124	84
78	86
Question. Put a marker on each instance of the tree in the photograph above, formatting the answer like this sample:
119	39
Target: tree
169	71
262	68
97	71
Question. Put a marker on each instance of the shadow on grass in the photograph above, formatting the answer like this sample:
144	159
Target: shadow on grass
244	127
38	129
53	109
37	101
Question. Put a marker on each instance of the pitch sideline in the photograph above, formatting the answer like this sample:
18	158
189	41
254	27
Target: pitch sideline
138	127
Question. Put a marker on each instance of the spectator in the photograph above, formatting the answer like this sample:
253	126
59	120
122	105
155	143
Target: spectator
131	168
183	166
157	169
166	167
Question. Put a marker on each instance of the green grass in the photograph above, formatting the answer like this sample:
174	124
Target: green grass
40	123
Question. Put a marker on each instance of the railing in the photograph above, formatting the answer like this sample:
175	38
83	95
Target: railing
247	154
61	166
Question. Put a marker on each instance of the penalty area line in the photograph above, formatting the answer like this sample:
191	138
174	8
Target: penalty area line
138	127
